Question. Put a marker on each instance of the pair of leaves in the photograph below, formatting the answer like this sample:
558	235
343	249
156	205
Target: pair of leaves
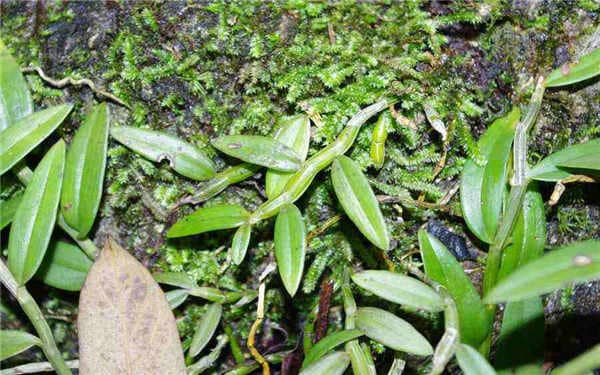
399	289
442	267
184	158
13	342
84	171
290	247
582	158
587	67
34	220
294	133
121	303
207	219
328	343
259	150
360	358
482	187
358	200
521	338
391	331
334	363
577	262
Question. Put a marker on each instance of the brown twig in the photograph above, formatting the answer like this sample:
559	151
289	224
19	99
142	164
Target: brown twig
560	187
323	227
74	82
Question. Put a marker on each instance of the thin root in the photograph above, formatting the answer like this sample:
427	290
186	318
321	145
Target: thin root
74	82
260	314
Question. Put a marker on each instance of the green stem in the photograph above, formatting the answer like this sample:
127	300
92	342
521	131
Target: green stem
36	317
517	191
236	349
24	174
582	364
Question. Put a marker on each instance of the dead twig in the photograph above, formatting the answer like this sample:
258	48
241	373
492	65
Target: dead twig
323	313
560	187
74	82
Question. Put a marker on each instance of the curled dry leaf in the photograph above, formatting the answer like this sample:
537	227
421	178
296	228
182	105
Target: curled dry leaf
125	323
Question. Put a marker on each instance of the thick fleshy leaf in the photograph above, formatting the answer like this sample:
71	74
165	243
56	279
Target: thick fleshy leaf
583	364
176	297
362	364
378	138
65	266
15	100
84	171
332	364
521	340
577	262
207	219
482	186
528	236
206	328
290	247
391	331
34	220
179	279
184	158
587	67
553	167
294	133
588	163
471	362
358	200
20	138
239	245
442	267
328	343
125	324
13	342
8	208
259	150
400	289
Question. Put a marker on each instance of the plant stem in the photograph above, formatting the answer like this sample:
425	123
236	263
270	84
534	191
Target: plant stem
517	192
24	175
36	317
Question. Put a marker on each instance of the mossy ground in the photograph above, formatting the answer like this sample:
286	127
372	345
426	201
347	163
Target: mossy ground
207	69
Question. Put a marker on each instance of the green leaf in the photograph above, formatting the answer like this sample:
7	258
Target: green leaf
8	208
471	362
442	267
577	262
482	186
294	133
587	67
64	267
528	236
184	158
176	297
552	167
207	219
239	245
361	362
15	100
206	329
329	343
290	247
521	340
13	342
84	171
34	221
20	138
391	331
400	289
179	279
259	150
332	364
358	200
589	163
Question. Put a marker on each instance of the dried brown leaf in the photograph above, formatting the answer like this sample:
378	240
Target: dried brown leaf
125	323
